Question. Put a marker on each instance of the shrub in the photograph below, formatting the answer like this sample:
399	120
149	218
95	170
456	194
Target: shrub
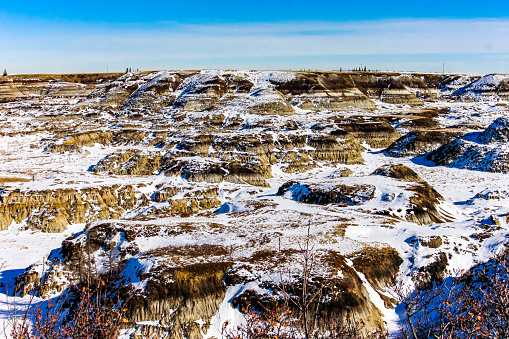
84	312
474	304
294	311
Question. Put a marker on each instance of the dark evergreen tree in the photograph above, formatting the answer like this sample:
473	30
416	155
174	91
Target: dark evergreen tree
5	73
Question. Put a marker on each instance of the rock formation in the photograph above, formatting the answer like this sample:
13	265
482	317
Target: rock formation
423	207
52	210
198	194
485	151
327	194
417	143
488	87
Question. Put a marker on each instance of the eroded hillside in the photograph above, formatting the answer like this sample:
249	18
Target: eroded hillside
197	190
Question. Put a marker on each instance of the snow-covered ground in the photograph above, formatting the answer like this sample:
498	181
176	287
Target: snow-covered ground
249	213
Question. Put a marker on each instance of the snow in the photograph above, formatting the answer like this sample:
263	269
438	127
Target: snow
265	78
296	192
232	207
246	213
390	317
19	249
227	313
487	84
195	82
456	83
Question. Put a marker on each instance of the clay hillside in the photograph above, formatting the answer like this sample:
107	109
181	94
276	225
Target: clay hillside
202	199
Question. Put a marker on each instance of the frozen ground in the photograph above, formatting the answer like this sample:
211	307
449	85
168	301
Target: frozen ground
249	212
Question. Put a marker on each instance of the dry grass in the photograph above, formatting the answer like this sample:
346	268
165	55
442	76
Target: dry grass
76	78
379	265
4	180
389	223
194	251
339	229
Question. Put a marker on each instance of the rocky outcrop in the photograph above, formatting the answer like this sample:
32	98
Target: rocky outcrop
52	210
255	92
488	87
160	85
498	131
112	95
67	90
327	148
245	168
239	155
347	297
327	193
130	162
263	101
200	91
177	298
324	91
173	298
378	134
489	194
196	140
379	265
270	149
400	172
394	88
296	162
74	142
184	204
56	86
454	82
464	153
424	204
165	193
198	145
67	141
213	171
418	119
9	91
417	143
399	95
196	92
260	144
173	287
485	151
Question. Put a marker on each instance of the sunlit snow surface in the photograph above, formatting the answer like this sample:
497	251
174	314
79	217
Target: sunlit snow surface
247	212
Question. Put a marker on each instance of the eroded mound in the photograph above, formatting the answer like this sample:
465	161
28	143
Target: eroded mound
488	87
398	171
425	205
196	193
327	193
175	285
486	151
418	143
498	131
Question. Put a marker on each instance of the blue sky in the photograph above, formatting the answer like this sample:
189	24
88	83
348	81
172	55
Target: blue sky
93	36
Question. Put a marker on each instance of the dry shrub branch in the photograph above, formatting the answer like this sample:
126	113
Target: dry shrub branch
84	312
294	311
474	304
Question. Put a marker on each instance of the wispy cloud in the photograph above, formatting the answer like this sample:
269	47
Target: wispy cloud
84	47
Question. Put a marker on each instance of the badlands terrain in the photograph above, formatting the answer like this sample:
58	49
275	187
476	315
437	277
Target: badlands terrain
197	192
